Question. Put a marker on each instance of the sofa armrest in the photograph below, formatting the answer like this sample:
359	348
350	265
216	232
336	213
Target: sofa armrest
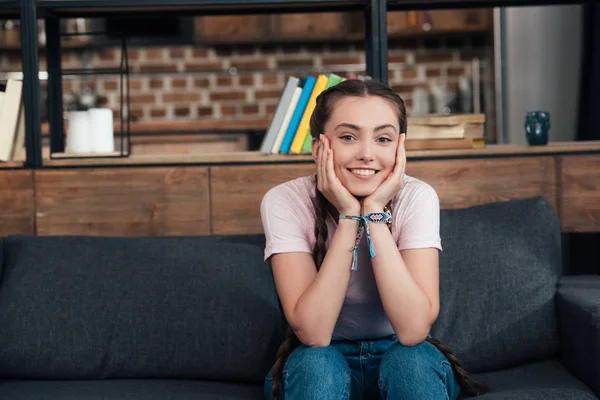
578	303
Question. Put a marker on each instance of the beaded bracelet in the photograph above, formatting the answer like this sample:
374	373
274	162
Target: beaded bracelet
385	217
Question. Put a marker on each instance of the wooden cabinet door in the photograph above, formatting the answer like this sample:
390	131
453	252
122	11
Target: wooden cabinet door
309	26
462	20
231	28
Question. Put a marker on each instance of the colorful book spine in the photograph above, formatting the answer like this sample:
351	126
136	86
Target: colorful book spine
295	121
332	81
304	126
286	120
282	107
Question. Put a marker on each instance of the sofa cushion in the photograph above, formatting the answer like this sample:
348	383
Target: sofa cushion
171	307
545	380
128	389
498	279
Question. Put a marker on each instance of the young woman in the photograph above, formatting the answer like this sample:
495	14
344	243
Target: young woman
354	251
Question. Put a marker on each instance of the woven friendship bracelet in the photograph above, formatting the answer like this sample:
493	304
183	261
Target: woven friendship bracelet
385	217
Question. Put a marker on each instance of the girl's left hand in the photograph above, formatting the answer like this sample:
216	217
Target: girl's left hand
392	184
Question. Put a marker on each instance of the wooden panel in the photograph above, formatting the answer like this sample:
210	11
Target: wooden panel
236	193
123	202
16	202
222	28
310	25
464	183
580	177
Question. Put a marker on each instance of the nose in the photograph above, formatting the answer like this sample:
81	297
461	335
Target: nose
365	153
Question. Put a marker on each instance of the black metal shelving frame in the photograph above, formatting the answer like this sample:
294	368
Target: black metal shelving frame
375	12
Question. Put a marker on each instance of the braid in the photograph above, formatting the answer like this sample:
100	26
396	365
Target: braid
467	386
291	341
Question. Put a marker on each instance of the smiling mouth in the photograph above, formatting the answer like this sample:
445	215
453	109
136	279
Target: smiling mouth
362	172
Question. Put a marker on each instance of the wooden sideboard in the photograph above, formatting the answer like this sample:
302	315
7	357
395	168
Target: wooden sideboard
224	197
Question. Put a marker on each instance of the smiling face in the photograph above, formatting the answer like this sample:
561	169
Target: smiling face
363	133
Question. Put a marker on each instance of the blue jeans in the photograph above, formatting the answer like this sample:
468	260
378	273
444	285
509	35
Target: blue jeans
366	369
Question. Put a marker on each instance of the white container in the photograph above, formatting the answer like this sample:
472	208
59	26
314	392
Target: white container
78	135
102	131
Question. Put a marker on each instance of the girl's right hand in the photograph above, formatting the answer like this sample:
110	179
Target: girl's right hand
329	184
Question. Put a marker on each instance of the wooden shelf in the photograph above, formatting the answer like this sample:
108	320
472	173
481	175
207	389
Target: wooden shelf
255	157
12	164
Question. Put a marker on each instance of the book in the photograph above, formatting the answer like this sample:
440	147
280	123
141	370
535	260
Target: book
285	123
304	127
280	111
10	115
298	112
333	80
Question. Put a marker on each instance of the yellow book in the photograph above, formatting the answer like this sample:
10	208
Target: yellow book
304	126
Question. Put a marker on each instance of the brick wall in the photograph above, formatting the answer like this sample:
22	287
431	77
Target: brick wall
179	83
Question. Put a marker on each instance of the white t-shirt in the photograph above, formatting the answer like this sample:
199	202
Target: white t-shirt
288	218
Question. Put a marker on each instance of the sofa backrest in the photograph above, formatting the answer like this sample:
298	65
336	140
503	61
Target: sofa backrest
99	307
498	274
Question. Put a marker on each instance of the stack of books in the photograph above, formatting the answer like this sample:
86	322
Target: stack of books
443	132
12	121
289	130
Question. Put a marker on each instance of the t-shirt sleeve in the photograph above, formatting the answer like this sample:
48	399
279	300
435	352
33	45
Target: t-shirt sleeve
282	219
419	221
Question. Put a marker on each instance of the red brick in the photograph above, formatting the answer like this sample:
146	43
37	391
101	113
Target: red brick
341	60
410	73
228	110
158	68
270	108
250	64
180	97
201	82
204	111
407	87
182	111
158	112
199	52
206	66
156	83
136	114
154	54
134	84
142	99
432	57
107	54
178	83
250	109
224	81
226	96
397	58
111	85
267	94
433	72
456	71
177	52
133	54
269	78
296	62
247	80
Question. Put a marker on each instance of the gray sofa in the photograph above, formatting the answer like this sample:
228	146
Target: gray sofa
198	317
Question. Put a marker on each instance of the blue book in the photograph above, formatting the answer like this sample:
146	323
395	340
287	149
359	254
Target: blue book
309	84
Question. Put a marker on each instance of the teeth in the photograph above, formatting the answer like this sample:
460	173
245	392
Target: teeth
363	172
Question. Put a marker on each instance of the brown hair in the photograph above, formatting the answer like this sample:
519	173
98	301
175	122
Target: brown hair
320	116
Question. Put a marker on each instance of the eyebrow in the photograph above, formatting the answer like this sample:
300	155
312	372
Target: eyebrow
356	128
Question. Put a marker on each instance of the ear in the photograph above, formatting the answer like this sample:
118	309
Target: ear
313	146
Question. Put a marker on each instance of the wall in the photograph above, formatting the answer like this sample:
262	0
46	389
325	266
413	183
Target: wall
185	82
542	66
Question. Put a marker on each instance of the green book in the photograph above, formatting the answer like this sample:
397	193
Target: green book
332	81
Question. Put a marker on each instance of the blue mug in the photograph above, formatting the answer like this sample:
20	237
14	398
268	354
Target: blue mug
537	125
